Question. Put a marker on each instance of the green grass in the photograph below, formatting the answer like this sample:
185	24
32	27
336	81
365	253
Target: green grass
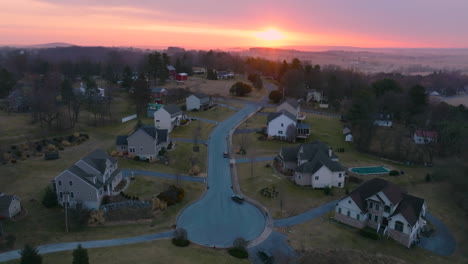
217	114
145	187
188	130
161	251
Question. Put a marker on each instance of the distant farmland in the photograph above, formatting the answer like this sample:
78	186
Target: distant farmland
456	100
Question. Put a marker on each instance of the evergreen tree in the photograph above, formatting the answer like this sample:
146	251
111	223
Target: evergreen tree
141	94
80	255
7	82
127	80
29	255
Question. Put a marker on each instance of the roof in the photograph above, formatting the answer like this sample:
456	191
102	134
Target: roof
121	140
410	208
384	116
182	74
170	68
85	176
172	108
273	116
201	96
289	153
5	201
157	89
426	133
292	102
309	150
302	125
162	135
317	162
372	187
97	159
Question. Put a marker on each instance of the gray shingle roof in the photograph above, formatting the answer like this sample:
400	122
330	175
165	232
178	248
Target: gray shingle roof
311	149
162	135
5	201
289	153
170	68
273	116
172	108
121	140
410	208
318	161
157	89
149	129
201	96
85	176
292	102
97	159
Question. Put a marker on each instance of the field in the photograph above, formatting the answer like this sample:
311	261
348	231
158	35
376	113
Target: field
161	251
456	100
217	114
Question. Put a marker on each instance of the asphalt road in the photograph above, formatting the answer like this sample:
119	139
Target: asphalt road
216	220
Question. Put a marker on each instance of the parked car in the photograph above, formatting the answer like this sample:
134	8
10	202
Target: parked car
265	256
238	199
226	155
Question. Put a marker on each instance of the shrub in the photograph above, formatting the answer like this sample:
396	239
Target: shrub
369	233
238	253
170	145
180	238
347	191
327	190
428	177
172	195
49	199
394	173
136	158
180	243
162	152
80	255
13	161
30	255
275	96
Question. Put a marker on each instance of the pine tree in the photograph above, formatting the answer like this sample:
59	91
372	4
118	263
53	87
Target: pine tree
29	255
127	80
80	255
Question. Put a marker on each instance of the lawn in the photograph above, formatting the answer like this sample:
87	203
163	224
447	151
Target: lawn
187	131
179	160
160	251
217	114
291	200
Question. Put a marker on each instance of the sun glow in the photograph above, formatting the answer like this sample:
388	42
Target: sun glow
270	35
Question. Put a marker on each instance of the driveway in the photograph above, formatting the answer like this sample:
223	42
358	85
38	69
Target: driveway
442	243
216	220
304	217
275	244
188	140
88	244
128	173
256	159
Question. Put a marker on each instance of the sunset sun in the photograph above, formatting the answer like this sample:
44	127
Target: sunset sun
270	35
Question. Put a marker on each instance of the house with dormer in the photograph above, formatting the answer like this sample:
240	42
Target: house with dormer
313	164
385	207
168	117
146	142
286	122
87	181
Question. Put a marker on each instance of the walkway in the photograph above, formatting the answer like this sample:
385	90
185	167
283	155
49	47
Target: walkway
216	220
442	243
88	244
203	119
227	106
256	159
187	140
128	173
304	217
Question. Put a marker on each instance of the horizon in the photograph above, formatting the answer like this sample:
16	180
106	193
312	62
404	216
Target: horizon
209	25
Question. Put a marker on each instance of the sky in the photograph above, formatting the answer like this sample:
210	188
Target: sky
240	23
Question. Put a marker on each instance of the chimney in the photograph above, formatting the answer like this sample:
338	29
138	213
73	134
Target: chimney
330	152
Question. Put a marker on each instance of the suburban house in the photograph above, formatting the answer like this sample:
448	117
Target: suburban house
121	144
314	164
385	207
225	75
171	71
18	101
151	108
384	120
293	107
10	205
158	95
181	76
198	102
283	125
349	137
425	136
346	130
314	96
88	180
146	142
100	92
168	117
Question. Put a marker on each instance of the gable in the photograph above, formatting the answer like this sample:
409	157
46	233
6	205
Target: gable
139	136
348	203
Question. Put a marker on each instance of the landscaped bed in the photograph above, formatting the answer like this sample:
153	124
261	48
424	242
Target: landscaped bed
370	170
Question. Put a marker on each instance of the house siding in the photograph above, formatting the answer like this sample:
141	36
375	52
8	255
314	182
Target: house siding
162	120
82	191
349	220
302	178
15	207
192	102
287	107
276	130
145	146
347	204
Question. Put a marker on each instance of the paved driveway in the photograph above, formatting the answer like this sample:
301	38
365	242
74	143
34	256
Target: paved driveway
442	243
216	220
256	159
301	218
275	244
128	173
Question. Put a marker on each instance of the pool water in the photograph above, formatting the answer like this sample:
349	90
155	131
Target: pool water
370	170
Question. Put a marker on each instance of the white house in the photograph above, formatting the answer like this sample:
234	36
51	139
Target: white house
10	205
198	102
314	96
88	180
425	136
280	124
291	106
100	91
168	117
384	120
349	137
314	164
385	207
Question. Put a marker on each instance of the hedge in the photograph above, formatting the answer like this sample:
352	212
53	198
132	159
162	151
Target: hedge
180	242
238	252
394	173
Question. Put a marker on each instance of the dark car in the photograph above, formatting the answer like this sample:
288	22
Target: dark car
238	199
265	256
225	154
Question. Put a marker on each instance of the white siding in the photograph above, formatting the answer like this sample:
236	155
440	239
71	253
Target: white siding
15	206
192	102
162	120
347	204
278	126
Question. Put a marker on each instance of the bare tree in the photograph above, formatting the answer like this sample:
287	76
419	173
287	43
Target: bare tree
291	133
196	133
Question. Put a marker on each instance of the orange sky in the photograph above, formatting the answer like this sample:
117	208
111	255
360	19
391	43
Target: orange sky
224	24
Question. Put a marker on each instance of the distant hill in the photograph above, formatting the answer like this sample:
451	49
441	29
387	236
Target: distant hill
41	46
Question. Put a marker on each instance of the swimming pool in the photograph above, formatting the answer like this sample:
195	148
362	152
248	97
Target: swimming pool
370	170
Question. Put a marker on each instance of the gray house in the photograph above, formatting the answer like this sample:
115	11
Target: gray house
314	164
198	102
121	144
10	205
147	141
88	180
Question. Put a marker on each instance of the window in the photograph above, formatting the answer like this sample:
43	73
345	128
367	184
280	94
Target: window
61	194
387	209
89	193
299	176
316	178
157	121
358	217
71	183
376	218
282	125
72	195
349	213
339	184
349	201
399	226
377	207
339	175
339	210
280	132
132	150
370	216
370	205
60	183
141	148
